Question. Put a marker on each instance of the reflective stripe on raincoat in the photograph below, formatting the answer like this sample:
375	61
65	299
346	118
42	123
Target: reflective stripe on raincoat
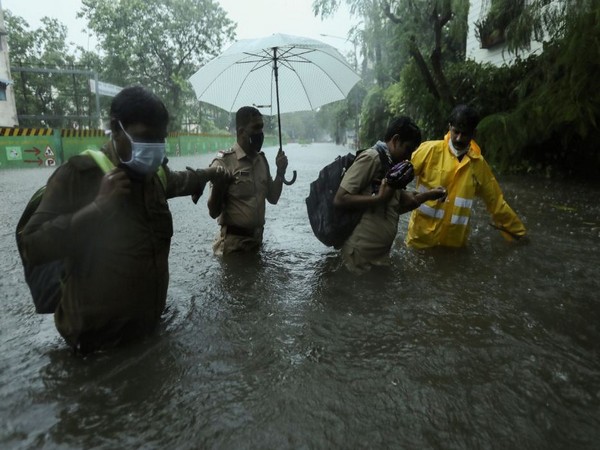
447	223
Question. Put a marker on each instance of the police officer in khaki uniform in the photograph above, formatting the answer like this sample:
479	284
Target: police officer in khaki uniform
239	201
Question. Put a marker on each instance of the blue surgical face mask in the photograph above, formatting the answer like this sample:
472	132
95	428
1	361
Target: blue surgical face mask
146	157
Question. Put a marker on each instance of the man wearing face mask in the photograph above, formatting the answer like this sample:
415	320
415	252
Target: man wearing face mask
107	218
239	204
456	163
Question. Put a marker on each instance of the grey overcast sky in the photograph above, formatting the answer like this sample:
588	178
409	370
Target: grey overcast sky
254	19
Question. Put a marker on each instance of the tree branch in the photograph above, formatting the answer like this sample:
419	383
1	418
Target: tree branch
439	21
422	65
388	13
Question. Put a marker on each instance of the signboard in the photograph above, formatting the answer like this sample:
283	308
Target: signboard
110	90
14	153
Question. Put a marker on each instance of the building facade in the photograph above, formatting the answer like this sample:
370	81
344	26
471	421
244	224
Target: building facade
8	110
489	47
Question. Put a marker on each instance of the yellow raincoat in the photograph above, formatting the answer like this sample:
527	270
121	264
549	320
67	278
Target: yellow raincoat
447	223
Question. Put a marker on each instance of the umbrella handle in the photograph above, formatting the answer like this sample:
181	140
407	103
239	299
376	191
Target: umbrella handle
290	182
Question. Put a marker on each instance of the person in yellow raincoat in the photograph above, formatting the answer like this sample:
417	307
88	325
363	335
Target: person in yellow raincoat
456	163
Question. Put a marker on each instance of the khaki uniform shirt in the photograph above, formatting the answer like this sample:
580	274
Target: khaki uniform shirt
116	264
244	205
372	239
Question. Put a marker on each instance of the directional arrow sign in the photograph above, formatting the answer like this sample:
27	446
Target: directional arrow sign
33	150
39	161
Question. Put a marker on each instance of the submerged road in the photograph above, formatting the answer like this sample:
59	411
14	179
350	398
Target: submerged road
492	346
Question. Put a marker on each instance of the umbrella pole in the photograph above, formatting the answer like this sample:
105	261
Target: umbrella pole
276	72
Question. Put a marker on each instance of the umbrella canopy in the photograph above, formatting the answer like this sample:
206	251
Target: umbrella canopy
305	73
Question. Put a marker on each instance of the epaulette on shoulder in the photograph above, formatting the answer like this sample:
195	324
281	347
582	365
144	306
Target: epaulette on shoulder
223	153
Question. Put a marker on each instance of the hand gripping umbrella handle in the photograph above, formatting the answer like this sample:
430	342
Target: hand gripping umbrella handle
286	182
290	182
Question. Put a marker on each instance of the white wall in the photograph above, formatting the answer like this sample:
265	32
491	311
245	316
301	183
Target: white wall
8	110
497	55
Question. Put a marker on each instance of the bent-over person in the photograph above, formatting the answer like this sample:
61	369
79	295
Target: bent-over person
364	187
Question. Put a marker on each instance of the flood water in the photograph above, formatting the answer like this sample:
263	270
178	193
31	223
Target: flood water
492	346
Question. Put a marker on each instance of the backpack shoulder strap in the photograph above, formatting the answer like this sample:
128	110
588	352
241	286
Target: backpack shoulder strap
162	176
384	157
106	164
100	158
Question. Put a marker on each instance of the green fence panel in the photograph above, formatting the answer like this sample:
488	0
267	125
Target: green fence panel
76	141
40	147
29	147
196	144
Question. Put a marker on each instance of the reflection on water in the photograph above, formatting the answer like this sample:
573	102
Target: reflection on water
491	346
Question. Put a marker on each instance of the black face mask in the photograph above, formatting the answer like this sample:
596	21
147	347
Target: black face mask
256	141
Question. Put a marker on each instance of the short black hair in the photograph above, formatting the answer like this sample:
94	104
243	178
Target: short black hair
136	104
244	115
406	129
464	117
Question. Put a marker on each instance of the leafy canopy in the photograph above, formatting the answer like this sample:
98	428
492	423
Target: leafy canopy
158	43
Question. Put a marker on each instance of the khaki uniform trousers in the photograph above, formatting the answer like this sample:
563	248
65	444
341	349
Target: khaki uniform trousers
233	239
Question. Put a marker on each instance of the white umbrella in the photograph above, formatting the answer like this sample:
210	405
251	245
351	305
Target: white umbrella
251	72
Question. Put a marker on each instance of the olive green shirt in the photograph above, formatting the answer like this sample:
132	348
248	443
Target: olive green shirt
116	262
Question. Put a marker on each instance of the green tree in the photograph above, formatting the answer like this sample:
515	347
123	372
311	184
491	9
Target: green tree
428	34
333	119
426	30
94	62
58	97
375	116
522	22
434	32
159	44
556	121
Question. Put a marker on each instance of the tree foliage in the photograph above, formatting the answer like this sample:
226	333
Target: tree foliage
158	43
556	121
375	116
540	19
396	33
539	113
60	97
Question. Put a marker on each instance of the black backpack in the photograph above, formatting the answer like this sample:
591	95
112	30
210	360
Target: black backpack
331	225
44	280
